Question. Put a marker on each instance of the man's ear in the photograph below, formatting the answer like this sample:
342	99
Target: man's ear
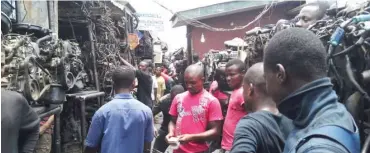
281	73
133	85
251	90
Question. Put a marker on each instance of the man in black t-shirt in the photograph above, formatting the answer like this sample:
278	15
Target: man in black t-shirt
164	107
145	82
265	129
19	124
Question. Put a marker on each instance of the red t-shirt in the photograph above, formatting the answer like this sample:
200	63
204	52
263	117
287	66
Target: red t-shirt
193	114
235	112
216	92
165	76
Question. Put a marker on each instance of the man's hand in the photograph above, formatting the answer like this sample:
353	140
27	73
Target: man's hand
185	138
168	136
42	130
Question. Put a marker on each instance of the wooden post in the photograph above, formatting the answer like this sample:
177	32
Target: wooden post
189	46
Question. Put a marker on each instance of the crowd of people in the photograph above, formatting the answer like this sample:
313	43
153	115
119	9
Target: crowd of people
284	103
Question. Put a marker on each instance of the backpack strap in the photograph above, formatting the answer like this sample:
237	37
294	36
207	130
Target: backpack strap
348	139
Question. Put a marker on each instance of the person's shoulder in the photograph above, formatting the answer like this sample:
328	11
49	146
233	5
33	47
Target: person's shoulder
106	107
318	144
257	117
12	94
248	123
165	97
261	113
12	97
142	73
182	95
141	106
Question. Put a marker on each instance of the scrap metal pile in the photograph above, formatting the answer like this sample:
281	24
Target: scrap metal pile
47	69
258	37
110	34
346	34
180	63
43	69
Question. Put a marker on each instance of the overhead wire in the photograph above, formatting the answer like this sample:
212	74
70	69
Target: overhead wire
199	24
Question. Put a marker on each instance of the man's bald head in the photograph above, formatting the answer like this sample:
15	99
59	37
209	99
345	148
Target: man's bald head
194	78
254	90
194	70
254	76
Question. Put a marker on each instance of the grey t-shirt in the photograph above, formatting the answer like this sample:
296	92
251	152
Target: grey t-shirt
19	124
261	132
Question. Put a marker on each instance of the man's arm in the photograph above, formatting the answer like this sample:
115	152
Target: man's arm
95	133
172	125
245	137
125	62
163	102
47	124
211	134
173	112
29	128
149	133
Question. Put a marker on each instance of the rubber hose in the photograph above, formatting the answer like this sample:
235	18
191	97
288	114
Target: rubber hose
48	37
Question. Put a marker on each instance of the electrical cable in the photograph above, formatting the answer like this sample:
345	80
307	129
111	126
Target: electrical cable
199	24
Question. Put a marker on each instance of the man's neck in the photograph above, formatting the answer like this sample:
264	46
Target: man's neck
123	91
237	87
266	104
296	84
193	94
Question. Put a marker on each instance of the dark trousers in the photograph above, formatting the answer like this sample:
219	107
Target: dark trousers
160	143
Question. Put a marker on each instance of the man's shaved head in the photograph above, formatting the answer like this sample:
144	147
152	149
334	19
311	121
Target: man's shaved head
254	90
194	70
194	78
254	76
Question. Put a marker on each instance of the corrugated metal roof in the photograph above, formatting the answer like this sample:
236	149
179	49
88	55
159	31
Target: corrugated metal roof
216	10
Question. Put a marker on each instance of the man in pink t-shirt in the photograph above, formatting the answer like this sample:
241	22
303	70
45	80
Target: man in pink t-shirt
218	88
235	70
221	96
196	115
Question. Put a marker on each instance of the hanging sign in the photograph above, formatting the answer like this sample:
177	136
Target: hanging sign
133	40
150	22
